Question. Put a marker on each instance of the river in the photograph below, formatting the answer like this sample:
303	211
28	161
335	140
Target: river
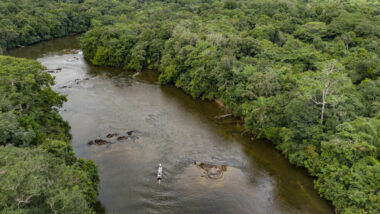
169	127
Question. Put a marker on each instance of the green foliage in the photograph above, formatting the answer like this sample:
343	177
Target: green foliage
230	4
34	181
11	132
92	183
25	22
297	72
311	30
26	94
351	158
60	150
43	176
370	91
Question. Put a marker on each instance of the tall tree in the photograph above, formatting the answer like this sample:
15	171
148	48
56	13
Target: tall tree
325	87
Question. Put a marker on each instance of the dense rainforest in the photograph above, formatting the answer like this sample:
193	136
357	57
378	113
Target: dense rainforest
24	22
39	172
302	74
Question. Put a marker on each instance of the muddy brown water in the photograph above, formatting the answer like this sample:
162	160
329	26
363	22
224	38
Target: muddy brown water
171	128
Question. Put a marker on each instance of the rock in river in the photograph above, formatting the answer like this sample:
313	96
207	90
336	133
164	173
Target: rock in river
111	135
100	142
122	138
212	171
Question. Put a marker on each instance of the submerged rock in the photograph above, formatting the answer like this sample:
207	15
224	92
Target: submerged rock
53	71
212	171
77	81
111	135
112	138
122	138
100	142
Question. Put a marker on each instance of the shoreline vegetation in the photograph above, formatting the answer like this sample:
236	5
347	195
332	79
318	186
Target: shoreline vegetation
302	74
39	172
38	168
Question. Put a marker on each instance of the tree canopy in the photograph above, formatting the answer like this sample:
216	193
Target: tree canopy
39	172
303	74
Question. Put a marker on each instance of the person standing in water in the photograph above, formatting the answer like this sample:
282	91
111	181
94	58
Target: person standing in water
159	173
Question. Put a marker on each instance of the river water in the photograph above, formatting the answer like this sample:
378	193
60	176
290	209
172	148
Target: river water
171	128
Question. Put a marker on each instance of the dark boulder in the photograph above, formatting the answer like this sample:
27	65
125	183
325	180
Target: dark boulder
100	142
111	135
212	171
122	138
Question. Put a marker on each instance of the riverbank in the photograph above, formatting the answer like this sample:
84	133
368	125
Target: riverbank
298	81
175	130
39	170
